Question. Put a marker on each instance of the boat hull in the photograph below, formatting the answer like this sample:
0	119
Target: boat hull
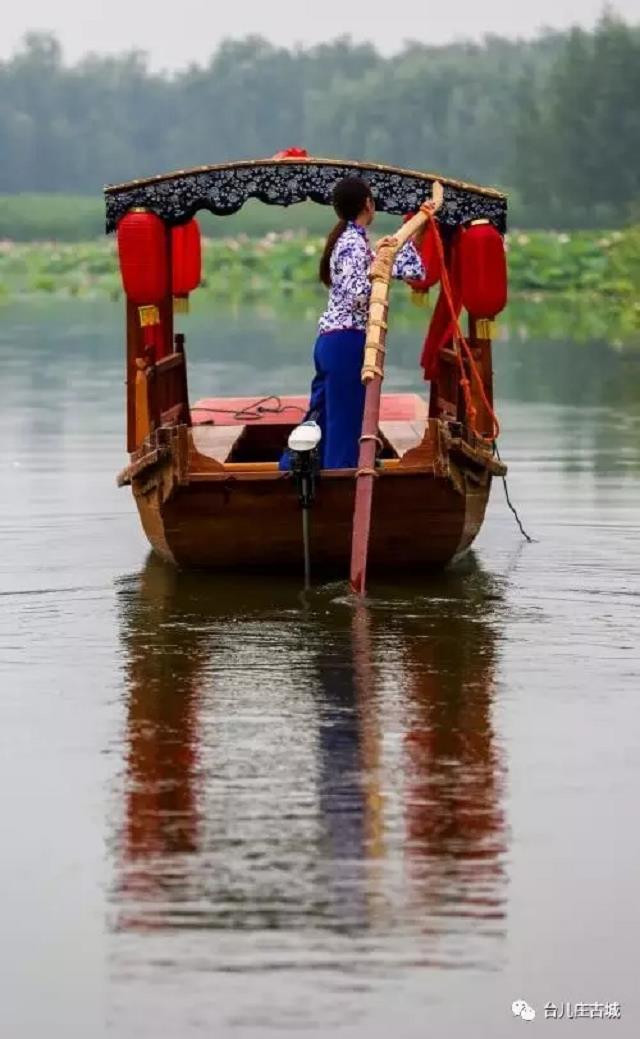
418	520
212	495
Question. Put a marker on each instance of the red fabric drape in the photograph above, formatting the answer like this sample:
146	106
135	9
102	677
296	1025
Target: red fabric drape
430	257
441	327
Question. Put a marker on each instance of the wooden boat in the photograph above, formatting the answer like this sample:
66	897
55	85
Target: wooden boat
205	476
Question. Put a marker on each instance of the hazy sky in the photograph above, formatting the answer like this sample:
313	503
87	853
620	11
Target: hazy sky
175	33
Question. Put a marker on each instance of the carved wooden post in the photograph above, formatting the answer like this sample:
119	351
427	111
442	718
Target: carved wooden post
135	348
480	339
183	382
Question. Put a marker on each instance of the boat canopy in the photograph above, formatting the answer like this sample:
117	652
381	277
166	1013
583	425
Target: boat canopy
223	189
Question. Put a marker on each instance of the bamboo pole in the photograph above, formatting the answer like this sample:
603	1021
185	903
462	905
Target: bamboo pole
372	376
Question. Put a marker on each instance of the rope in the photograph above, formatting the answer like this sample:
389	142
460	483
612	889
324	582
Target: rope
527	537
471	410
256	410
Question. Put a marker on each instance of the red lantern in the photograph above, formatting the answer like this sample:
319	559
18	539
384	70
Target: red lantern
142	250
186	262
483	271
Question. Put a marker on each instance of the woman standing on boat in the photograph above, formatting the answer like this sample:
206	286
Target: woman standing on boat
337	393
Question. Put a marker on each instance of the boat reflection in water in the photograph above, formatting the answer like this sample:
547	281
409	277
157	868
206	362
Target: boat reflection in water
313	768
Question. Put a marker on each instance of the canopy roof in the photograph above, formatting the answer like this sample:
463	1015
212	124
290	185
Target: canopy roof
223	189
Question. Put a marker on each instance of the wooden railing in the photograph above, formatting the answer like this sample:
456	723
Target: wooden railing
171	404
161	395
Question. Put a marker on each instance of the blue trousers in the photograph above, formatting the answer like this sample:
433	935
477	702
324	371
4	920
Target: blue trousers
337	396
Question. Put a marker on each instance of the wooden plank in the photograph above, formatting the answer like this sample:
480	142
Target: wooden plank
251	467
165	364
225	477
429	451
479	458
216	442
387	468
172	415
126	475
402	436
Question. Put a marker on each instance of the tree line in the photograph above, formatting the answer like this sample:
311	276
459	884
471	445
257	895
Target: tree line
555	120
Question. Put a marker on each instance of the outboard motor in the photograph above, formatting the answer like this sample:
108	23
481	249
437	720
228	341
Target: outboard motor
303	446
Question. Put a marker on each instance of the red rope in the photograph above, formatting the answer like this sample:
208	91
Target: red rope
459	338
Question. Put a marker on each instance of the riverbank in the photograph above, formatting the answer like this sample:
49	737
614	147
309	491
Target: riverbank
590	279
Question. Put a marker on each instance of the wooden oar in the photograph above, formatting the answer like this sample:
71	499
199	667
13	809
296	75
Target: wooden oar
372	376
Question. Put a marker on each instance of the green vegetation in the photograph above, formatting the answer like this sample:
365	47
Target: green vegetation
62	218
588	280
556	119
75	218
577	264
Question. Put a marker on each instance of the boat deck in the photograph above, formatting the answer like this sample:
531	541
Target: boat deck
226	428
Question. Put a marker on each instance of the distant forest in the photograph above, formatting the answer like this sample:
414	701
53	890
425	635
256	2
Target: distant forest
555	120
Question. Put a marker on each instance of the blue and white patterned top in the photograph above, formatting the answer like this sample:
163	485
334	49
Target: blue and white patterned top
350	286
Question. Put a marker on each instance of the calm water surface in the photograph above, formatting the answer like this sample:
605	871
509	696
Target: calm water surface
230	810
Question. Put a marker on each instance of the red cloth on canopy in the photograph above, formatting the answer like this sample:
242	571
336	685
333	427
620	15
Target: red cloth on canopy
291	153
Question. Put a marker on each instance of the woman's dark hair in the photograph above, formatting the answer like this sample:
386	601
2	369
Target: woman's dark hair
349	198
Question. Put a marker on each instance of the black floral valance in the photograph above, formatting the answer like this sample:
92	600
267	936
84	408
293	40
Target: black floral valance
281	182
